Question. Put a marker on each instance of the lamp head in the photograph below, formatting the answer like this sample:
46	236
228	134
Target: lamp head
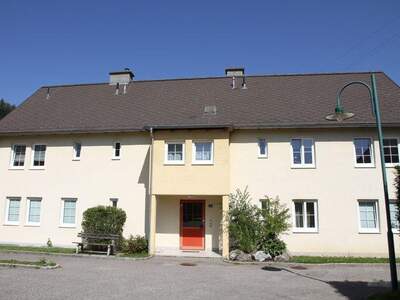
339	115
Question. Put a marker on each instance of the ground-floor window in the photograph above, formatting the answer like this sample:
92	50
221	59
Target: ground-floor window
394	217
368	216
114	202
12	210
305	216
68	212
33	211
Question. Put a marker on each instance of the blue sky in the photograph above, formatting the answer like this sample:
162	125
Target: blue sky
61	42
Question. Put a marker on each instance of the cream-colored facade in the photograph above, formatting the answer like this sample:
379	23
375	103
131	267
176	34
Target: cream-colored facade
150	190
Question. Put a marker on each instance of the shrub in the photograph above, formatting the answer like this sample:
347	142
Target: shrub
135	244
104	220
243	221
252	228
49	243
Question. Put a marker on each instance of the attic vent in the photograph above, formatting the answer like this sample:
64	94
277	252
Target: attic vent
210	110
121	77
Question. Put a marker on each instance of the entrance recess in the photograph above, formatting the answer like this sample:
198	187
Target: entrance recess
192	223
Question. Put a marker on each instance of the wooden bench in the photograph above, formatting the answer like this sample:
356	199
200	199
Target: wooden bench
91	239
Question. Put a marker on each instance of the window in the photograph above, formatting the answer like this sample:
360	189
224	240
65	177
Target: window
39	154
117	150
391	151
18	156
33	211
77	151
363	151
12	210
303	153
114	202
68	212
368	216
305	216
394	216
263	203
262	148
202	152
174	153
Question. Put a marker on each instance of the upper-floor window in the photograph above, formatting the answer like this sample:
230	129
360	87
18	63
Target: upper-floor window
368	216
39	156
363	152
33	211
305	216
394	216
174	153
303	153
12	210
117	150
391	151
202	152
77	151
18	156
114	202
262	148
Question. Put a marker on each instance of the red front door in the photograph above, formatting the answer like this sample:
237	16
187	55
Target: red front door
192	224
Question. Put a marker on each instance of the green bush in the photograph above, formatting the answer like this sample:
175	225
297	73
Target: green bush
104	220
135	244
252	228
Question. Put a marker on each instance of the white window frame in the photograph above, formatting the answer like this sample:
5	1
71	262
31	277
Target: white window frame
68	225
368	230
32	167
395	230
202	162
358	165
392	165
6	221
302	165
11	166
120	150
305	229
74	157
174	162
259	149
28	208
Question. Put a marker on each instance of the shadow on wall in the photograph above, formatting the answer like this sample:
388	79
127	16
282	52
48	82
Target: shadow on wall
144	179
354	290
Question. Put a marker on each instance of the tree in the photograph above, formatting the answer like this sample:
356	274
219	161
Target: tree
252	228
5	108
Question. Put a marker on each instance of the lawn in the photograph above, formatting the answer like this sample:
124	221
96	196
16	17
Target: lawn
338	259
38	263
5	248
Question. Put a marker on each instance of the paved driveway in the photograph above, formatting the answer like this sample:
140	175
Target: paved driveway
165	278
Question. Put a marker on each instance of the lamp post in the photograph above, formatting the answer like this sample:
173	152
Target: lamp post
340	115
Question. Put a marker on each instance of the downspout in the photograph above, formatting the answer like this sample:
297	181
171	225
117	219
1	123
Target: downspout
151	162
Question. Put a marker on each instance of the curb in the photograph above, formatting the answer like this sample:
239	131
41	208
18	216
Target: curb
289	264
95	256
25	266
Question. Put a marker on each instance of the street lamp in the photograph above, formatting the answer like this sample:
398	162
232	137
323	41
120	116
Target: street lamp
341	115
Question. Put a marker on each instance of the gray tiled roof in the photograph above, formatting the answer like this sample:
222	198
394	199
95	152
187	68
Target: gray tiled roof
277	101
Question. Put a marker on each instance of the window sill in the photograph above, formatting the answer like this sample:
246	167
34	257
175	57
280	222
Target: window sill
203	163
303	166
76	159
374	231
391	165
396	231
364	166
67	226
16	168
262	157
116	158
32	225
11	224
174	163
305	230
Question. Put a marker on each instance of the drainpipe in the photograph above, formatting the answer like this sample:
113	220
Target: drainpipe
151	161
